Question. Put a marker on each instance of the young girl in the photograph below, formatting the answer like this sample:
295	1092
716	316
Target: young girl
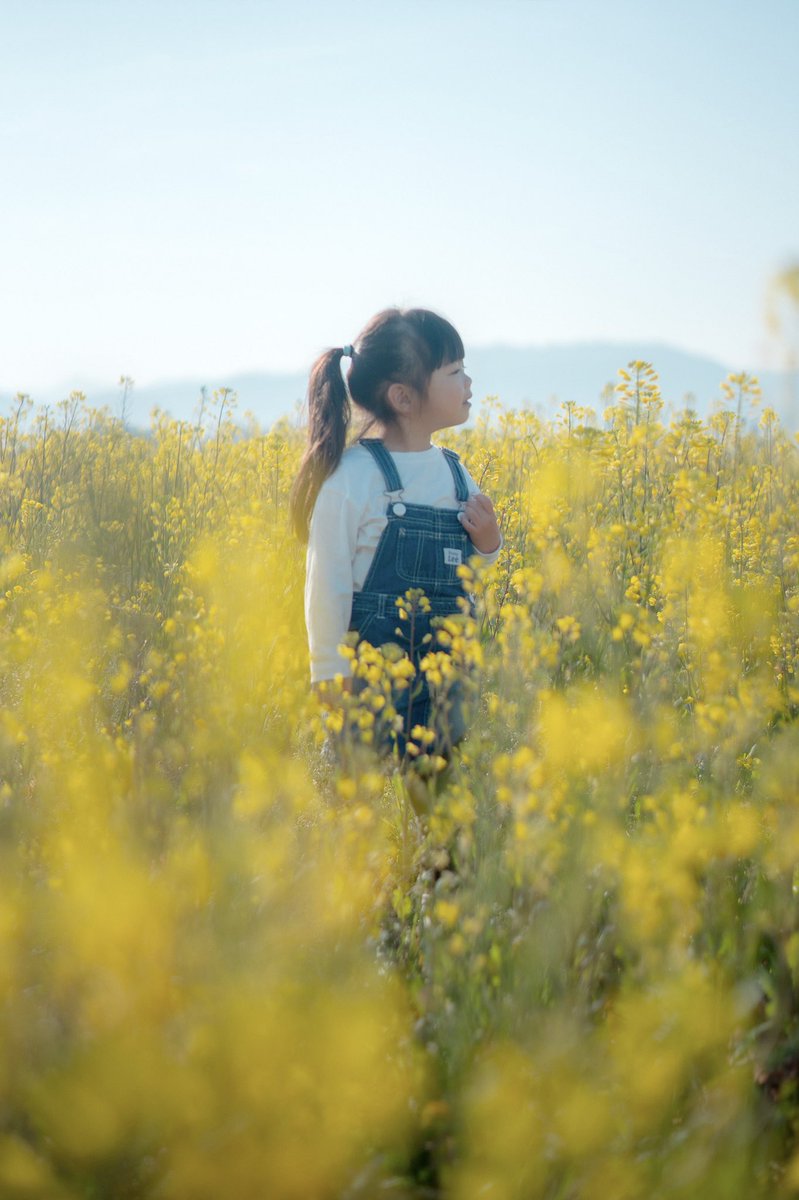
393	511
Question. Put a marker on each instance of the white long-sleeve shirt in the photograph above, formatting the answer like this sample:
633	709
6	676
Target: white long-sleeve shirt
348	519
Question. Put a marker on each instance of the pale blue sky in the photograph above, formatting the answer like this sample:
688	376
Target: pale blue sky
201	188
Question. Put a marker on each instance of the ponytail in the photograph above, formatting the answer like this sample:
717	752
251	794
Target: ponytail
328	423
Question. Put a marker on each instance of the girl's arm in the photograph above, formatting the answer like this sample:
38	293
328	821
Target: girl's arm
329	582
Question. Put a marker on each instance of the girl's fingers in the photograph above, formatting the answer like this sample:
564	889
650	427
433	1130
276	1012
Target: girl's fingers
476	511
478	514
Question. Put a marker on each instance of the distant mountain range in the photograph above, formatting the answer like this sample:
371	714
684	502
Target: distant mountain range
539	377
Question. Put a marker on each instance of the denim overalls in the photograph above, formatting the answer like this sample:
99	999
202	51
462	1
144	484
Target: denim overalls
420	547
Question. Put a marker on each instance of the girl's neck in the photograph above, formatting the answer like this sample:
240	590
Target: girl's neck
401	438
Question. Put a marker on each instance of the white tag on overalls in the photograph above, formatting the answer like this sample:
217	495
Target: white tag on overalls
452	557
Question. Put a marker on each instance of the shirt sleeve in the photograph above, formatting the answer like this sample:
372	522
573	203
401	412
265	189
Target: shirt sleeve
329	580
488	559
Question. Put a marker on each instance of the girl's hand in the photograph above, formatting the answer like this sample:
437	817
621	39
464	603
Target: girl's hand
480	522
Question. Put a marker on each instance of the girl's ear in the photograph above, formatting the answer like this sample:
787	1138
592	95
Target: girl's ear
400	399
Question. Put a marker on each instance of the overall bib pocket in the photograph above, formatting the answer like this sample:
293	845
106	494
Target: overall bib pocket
431	558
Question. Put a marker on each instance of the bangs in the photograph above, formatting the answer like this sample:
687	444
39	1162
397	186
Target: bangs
441	339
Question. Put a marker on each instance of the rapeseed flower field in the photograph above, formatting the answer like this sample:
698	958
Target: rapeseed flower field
564	966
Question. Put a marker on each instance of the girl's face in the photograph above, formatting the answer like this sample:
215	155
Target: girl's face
448	396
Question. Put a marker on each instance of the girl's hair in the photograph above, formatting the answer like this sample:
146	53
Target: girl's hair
395	347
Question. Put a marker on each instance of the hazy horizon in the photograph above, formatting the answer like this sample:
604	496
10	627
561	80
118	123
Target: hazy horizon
540	378
302	369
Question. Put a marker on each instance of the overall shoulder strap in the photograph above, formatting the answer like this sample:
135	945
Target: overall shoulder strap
458	475
385	462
